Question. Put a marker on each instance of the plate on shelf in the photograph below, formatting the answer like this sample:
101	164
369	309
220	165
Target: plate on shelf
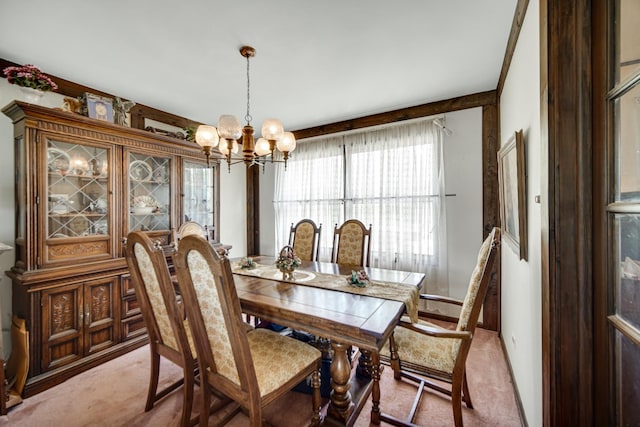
58	160
140	170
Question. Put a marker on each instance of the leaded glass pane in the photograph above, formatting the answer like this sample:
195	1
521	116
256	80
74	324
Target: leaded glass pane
149	191
77	189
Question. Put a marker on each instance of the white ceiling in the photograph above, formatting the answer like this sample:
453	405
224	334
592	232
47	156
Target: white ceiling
316	62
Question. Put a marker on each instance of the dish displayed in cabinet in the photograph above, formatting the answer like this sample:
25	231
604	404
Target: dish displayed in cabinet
58	160
139	170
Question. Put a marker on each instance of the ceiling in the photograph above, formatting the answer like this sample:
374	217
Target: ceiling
316	62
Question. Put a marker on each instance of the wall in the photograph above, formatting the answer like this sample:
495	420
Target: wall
233	208
521	280
462	152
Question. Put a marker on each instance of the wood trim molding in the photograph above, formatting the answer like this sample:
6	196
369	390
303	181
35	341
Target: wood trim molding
516	26
491	208
454	104
567	298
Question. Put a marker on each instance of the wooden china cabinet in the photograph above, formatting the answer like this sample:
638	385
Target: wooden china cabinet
81	185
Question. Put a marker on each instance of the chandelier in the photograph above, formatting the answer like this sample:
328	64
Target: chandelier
230	135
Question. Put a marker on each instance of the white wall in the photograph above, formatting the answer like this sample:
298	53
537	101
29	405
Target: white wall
233	208
521	280
463	177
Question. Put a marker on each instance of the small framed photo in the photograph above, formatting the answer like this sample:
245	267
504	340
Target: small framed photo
98	107
513	193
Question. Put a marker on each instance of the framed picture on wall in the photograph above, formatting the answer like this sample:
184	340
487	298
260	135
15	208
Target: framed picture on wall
99	107
513	193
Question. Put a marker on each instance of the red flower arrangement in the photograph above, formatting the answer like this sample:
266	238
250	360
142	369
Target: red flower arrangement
29	76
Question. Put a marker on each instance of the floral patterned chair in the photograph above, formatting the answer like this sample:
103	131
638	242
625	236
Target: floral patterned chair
304	238
252	367
438	353
169	332
351	244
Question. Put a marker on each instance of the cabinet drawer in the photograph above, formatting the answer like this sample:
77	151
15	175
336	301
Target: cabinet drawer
130	307
126	286
133	327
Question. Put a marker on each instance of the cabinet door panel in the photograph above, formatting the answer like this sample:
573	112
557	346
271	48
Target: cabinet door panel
77	201
61	326
100	314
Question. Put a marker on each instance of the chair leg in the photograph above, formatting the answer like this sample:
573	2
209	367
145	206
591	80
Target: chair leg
153	379
394	358
456	402
205	402
255	417
187	400
465	392
316	398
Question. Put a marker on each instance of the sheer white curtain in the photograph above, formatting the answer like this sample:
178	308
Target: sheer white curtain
311	187
396	183
391	178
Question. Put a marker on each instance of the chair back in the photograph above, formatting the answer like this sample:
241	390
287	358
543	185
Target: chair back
156	293
190	228
351	244
304	238
214	313
479	282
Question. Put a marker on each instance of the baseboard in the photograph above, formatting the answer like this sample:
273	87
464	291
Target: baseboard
516	392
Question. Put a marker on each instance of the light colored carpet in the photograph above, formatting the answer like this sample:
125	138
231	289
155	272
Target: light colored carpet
114	394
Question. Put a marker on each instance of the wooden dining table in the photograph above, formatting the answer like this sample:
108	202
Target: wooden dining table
346	319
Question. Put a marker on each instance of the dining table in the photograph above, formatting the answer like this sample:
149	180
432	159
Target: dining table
319	300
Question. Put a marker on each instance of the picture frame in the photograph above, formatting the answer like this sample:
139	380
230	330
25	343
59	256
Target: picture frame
99	107
513	193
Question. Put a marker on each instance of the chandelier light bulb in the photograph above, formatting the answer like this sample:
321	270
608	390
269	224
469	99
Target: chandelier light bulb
262	147
287	143
272	129
224	146
207	136
229	127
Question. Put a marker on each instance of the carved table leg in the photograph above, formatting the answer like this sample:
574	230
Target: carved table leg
375	391
341	406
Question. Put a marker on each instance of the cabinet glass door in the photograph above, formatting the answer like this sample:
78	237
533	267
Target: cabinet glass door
149	192
198	203
77	189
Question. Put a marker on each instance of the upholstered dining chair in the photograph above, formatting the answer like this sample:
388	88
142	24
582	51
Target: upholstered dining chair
351	244
252	367
169	332
188	228
304	238
434	352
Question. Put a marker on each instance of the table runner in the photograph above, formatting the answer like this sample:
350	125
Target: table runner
407	294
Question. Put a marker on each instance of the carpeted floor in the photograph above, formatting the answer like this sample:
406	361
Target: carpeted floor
114	394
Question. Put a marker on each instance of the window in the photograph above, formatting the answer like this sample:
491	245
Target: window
391	178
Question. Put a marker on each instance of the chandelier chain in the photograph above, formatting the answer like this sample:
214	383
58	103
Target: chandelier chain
248	116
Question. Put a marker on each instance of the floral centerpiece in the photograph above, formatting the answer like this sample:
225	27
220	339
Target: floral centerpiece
248	263
144	205
358	279
29	76
287	262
